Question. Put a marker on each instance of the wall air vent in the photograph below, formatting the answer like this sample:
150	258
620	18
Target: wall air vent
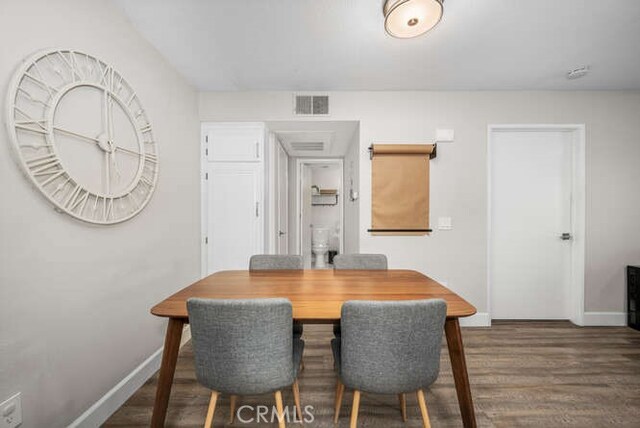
307	146
311	105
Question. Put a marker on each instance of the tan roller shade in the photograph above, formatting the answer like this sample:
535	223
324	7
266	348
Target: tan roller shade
400	188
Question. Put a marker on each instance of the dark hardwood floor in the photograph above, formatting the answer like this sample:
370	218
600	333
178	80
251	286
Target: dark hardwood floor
523	374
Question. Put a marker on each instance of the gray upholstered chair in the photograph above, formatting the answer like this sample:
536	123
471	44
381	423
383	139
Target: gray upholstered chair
360	261
390	347
275	262
278	262
245	347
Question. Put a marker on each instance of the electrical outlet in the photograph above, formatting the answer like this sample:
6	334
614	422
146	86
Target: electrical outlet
11	412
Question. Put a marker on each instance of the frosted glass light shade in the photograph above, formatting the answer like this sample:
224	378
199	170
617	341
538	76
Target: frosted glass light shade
410	18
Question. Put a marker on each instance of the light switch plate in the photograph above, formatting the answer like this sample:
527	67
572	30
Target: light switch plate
444	135
11	412
444	223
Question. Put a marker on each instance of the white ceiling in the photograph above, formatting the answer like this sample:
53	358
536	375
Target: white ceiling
341	44
336	135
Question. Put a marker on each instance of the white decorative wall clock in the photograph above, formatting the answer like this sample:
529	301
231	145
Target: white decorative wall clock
82	136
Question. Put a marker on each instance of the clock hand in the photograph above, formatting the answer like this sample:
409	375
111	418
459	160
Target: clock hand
116	168
105	114
75	134
111	144
107	155
110	120
101	140
128	151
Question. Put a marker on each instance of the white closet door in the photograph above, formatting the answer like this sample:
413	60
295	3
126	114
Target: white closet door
235	143
235	220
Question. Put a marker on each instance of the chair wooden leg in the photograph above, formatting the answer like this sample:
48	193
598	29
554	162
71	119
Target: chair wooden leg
338	404
423	409
296	399
354	409
208	423
232	408
280	408
403	407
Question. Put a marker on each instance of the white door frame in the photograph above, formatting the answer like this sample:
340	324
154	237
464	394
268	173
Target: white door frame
578	209
277	192
299	163
271	192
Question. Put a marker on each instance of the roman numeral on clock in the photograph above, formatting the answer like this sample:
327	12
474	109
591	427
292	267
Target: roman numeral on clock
150	157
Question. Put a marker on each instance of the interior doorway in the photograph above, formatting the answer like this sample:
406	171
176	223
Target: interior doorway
320	210
536	222
330	152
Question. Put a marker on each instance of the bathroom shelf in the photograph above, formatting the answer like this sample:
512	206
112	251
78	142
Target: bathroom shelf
320	200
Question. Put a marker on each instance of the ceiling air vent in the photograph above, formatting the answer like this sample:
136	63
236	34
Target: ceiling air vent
307	146
311	105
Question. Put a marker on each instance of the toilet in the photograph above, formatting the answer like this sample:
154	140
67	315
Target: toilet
320	245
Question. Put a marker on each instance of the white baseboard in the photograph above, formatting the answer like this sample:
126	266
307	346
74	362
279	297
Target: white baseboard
605	319
100	411
481	319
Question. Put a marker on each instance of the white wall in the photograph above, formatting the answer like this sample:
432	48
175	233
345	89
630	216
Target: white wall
74	298
459	185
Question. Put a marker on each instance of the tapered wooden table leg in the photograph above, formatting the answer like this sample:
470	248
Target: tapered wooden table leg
459	368
167	369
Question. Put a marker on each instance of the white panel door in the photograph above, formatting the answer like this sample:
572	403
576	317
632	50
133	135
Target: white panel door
282	208
235	143
530	210
235	219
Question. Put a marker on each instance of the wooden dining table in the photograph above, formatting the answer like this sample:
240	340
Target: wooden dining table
317	297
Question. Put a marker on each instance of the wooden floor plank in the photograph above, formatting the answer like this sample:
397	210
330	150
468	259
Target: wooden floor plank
523	374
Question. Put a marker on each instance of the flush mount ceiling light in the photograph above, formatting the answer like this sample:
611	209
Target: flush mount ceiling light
410	18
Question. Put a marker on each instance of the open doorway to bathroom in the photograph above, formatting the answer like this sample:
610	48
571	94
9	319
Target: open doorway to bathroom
321	208
318	162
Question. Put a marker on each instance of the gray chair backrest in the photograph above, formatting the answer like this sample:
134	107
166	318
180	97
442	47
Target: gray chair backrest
360	261
392	346
244	346
275	262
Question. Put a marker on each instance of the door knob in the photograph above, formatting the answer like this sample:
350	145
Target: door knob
281	233
566	236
